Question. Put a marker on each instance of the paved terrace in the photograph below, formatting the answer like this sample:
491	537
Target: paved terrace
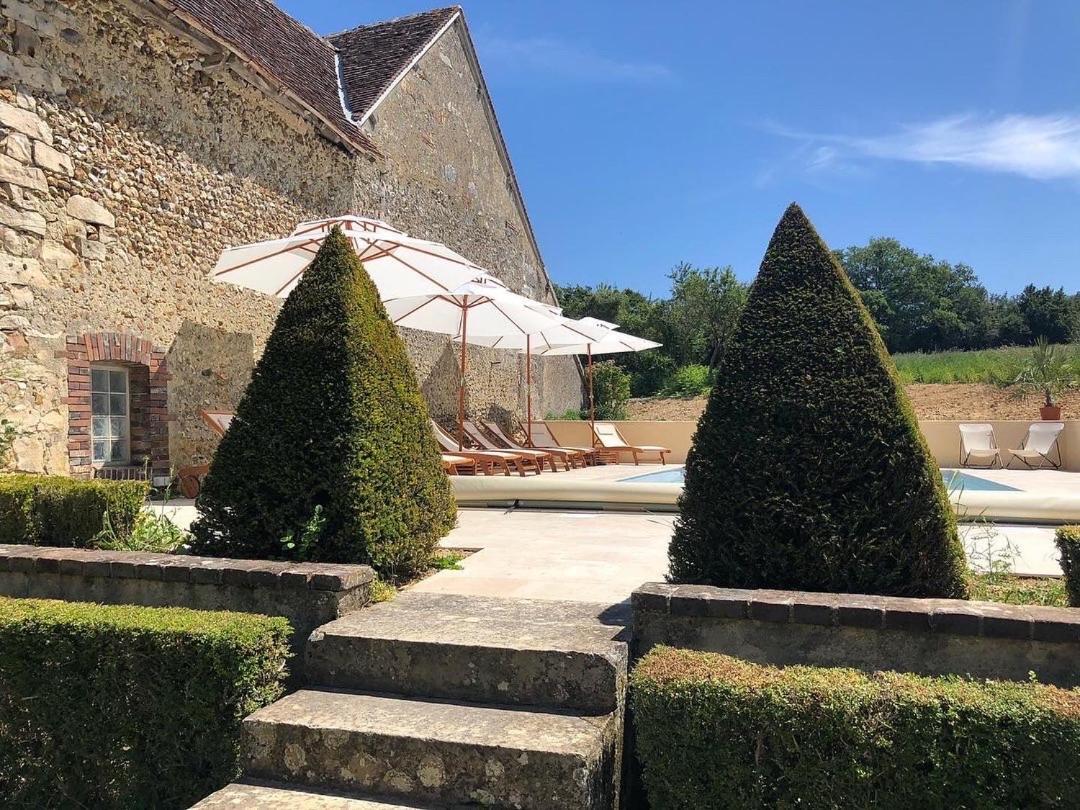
591	556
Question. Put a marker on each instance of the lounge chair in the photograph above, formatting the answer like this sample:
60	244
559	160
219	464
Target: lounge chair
538	457
1040	446
189	479
570	458
453	464
542	438
217	421
978	446
505	460
608	437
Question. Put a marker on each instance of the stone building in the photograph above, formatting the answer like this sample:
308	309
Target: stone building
140	137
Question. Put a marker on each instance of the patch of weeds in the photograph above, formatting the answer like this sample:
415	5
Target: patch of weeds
446	560
1013	590
152	531
382	591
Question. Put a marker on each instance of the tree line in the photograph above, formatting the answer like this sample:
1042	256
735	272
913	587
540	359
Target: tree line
919	303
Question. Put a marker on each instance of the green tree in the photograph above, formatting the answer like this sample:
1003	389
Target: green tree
920	303
1047	313
331	441
808	470
611	389
701	313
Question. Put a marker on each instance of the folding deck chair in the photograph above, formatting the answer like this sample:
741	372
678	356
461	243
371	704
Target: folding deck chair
978	446
1040	446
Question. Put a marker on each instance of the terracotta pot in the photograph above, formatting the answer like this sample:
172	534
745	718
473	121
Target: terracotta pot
1050	413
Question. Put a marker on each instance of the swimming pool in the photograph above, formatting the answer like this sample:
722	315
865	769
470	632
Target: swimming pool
955	480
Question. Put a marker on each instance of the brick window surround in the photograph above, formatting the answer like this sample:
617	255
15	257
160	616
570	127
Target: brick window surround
148	409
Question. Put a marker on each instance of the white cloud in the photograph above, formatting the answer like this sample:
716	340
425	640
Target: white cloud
553	57
1042	147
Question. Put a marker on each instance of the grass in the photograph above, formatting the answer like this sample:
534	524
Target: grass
1013	590
994	366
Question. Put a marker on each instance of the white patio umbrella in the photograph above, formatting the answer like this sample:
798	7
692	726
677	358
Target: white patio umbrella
476	310
563	331
614	342
400	265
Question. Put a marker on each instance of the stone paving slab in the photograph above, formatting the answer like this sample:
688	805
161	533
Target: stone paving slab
568	655
431	750
290	797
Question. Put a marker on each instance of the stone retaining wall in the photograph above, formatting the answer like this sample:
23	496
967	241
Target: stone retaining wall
307	594
926	636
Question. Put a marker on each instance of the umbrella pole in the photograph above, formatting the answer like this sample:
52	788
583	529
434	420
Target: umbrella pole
528	390
592	402
461	381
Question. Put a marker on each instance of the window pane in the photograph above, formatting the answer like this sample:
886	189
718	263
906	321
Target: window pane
99	428
118	427
118	404
99	379
119	451
99	404
117	381
100	449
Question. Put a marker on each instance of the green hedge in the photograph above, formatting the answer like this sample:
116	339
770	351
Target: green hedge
54	510
123	706
715	731
1068	543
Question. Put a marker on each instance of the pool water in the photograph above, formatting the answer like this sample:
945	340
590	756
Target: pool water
954	480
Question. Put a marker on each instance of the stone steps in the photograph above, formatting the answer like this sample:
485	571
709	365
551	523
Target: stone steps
436	751
448	700
507	651
277	796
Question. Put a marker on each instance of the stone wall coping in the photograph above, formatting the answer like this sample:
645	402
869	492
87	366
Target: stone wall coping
942	616
183	568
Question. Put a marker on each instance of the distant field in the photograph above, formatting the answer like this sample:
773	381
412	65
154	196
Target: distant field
986	366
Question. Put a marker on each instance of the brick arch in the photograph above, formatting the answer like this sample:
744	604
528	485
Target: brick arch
147	406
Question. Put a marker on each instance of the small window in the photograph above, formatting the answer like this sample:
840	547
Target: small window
110	423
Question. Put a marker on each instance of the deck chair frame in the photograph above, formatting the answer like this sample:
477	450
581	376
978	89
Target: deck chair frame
1054	448
993	451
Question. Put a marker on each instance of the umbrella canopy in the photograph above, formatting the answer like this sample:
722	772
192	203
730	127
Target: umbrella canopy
400	265
482	308
562	332
613	342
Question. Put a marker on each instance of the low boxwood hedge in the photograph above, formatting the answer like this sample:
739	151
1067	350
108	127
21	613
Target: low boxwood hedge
716	731
1068	543
54	510
124	706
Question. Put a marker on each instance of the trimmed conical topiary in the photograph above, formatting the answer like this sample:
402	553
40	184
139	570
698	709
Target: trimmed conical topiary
808	470
331	456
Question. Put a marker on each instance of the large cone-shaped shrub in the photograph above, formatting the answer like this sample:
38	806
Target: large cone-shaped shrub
330	456
808	470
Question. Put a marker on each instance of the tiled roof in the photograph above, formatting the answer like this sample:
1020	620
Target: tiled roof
283	49
374	56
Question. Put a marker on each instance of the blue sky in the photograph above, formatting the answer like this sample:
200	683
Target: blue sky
646	134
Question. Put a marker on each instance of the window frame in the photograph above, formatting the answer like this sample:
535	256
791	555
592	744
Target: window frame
111	367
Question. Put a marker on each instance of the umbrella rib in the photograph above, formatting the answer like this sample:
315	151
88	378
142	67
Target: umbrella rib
262	258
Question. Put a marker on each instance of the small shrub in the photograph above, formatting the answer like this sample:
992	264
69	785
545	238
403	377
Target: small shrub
688	381
715	731
330	457
808	470
122	706
54	510
8	434
611	390
573	415
1068	543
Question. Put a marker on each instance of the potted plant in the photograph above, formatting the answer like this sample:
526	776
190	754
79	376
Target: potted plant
1048	371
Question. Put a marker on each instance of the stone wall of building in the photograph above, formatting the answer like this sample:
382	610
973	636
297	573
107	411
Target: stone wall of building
127	163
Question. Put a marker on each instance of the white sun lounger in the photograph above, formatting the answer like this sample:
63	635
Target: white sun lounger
1040	447
978	446
608	436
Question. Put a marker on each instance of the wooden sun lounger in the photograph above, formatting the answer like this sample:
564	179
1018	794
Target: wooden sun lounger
504	460
542	438
607	436
537	457
452	465
569	457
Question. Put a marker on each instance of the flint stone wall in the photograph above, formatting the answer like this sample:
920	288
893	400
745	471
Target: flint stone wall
127	162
